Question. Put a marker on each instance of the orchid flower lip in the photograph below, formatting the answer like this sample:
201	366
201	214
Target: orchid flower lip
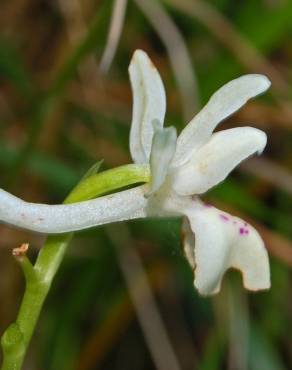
213	244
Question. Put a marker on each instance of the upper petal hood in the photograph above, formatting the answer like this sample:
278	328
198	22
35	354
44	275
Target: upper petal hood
216	241
149	104
227	100
217	158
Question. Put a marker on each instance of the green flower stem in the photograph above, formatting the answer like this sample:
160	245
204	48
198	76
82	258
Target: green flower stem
39	277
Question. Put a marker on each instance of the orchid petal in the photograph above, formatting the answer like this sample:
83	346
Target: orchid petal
162	152
53	219
227	100
216	159
216	241
149	104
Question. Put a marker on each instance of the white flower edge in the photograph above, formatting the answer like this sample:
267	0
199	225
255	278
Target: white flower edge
227	100
215	241
149	103
213	162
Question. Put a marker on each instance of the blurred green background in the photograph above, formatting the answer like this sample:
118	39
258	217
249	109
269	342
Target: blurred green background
124	296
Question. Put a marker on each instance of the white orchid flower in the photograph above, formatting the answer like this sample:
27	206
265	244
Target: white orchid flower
181	169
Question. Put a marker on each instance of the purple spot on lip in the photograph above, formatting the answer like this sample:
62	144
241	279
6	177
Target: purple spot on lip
224	217
243	230
207	205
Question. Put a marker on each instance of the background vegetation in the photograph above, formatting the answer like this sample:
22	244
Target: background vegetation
124	297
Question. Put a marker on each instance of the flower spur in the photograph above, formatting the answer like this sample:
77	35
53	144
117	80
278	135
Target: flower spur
181	169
